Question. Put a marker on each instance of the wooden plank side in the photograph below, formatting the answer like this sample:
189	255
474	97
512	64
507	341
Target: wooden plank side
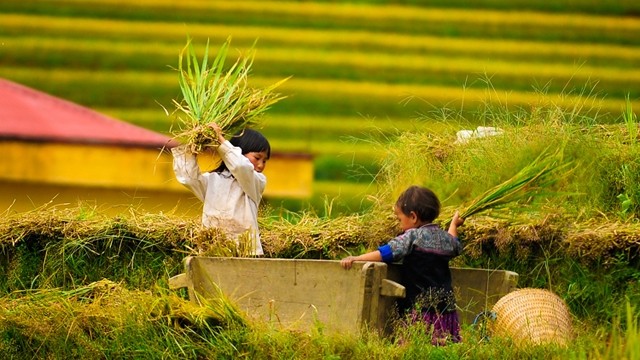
294	293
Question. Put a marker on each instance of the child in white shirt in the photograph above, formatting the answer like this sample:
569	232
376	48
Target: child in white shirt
232	192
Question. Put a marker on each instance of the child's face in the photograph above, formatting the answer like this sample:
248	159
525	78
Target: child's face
258	159
406	222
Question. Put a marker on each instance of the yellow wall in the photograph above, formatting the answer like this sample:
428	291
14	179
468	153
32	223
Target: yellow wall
114	177
288	175
26	196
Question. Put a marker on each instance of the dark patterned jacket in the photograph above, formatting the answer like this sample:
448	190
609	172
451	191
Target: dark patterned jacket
425	253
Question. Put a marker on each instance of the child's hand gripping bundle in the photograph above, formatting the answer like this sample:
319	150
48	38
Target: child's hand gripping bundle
213	95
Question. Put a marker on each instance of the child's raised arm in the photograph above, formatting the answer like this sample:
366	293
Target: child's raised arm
455	222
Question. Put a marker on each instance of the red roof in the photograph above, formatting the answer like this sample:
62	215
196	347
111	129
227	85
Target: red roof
31	115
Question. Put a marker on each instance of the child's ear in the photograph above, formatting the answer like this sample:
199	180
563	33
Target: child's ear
413	216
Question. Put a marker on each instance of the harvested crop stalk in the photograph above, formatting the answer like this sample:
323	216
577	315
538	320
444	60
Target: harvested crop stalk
211	94
530	181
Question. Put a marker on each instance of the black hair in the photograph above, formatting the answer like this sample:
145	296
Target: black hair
420	200
249	141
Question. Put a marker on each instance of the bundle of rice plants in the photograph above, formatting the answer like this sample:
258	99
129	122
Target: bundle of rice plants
212	94
529	182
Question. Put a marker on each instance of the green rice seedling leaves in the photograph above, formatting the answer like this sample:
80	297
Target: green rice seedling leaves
212	94
630	121
530	181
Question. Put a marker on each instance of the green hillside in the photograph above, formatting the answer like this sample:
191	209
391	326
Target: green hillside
356	67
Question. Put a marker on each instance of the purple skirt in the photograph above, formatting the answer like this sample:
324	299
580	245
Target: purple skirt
443	327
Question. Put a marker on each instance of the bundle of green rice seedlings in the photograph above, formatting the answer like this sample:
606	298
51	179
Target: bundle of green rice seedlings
212	94
529	182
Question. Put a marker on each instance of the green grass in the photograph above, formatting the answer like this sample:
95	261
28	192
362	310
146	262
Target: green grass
127	324
123	317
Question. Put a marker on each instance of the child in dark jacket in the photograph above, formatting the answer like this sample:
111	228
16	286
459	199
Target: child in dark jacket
425	250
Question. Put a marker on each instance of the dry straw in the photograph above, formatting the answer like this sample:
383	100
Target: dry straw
212	94
600	238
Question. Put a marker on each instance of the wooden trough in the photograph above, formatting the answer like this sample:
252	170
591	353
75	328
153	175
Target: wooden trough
300	294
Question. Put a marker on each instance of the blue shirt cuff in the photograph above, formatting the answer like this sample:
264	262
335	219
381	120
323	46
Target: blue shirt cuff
386	252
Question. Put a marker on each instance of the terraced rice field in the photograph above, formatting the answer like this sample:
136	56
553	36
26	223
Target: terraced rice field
356	68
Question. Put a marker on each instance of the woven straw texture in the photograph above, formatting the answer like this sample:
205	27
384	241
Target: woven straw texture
532	317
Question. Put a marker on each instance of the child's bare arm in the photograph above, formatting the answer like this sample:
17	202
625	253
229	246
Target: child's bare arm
455	222
370	256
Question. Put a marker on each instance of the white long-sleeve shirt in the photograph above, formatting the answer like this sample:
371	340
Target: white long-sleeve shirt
230	197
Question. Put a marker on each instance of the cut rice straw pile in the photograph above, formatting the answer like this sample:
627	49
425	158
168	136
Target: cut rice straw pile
211	94
529	182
